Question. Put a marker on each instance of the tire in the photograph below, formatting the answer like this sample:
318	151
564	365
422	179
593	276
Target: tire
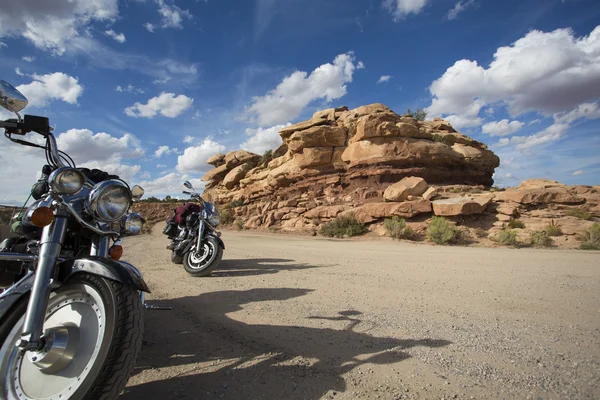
205	263
101	365
175	259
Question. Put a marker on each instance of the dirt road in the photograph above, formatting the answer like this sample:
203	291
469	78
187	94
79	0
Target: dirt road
290	317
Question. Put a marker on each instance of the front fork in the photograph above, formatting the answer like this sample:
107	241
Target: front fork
49	251
200	235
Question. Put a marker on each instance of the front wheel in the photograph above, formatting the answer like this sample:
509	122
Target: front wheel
95	329
202	263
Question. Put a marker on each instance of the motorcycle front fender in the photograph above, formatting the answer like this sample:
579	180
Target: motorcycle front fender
119	271
218	240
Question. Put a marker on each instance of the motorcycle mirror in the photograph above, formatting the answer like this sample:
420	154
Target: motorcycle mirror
137	192
188	185
11	98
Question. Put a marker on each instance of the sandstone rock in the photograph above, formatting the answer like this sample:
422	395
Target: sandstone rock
318	136
253	222
216	174
503	218
233	177
375	108
460	205
377	125
288	131
216	160
539	184
324	212
313	156
430	193
441	125
409	186
539	196
235	158
372	211
508	209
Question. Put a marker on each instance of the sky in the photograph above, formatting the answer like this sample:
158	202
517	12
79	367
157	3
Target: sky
149	89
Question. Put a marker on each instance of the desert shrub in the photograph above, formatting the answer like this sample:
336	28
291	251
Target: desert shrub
227	217
508	238
235	203
249	165
239	224
316	221
591	238
515	224
552	229
419	115
343	226
481	233
540	239
579	213
396	228
266	158
441	231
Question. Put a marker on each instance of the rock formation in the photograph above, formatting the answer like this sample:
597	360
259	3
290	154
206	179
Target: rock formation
372	163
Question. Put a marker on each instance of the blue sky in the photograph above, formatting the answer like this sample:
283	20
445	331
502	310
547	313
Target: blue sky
150	89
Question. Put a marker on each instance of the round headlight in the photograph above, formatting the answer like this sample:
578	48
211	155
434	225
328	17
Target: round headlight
133	224
214	218
108	201
66	181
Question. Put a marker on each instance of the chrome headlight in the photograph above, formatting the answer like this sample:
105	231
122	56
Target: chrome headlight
66	181
108	201
212	215
133	223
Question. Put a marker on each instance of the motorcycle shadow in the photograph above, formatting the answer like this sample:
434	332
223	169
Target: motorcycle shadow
200	352
257	266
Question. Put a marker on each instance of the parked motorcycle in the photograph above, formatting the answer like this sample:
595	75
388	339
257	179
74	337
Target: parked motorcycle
70	313
195	241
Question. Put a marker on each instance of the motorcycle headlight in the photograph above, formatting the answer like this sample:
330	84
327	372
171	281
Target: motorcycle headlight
66	181
133	224
214	218
108	201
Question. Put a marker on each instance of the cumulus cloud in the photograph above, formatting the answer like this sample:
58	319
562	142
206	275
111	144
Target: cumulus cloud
28	59
149	27
171	16
552	133
299	89
50	25
459	8
545	72
166	104
194	158
188	139
586	110
401	8
502	128
129	88
169	185
384	78
85	146
164	150
161	166
56	86
263	139
119	37
18	72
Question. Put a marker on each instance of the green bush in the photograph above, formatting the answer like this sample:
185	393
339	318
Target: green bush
396	228
579	213
540	239
343	226
441	231
591	238
508	238
481	233
239	224
515	223
227	217
234	204
266	158
553	230
419	115
248	166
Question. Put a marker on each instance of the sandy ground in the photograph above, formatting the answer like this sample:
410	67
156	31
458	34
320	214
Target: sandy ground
287	317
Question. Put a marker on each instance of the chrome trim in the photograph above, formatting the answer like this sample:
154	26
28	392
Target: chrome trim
87	225
5	256
93	197
54	155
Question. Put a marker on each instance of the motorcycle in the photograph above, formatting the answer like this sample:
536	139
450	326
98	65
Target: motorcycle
71	320
195	241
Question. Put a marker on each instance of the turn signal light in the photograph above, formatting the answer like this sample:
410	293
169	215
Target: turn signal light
42	216
116	252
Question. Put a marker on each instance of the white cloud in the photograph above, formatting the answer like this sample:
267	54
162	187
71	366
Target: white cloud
188	139
161	166
502	128
161	81
56	86
460	122
85	146
194	158
166	104
263	139
129	88
169	185
523	143
172	16
578	172
401	8
28	59
535	121
384	78
51	25
2	44
548	73
459	8
18	72
164	150
586	110
299	89
150	27
119	37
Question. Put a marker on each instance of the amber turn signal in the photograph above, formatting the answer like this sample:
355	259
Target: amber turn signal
116	252
42	216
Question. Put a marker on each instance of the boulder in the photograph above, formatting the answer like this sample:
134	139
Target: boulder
539	184
461	205
216	160
235	158
234	176
313	156
216	174
377	125
317	136
409	186
430	193
441	125
508	209
324	212
373	211
539	196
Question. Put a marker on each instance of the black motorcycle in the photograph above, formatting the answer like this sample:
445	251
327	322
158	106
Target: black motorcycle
71	320
195	241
